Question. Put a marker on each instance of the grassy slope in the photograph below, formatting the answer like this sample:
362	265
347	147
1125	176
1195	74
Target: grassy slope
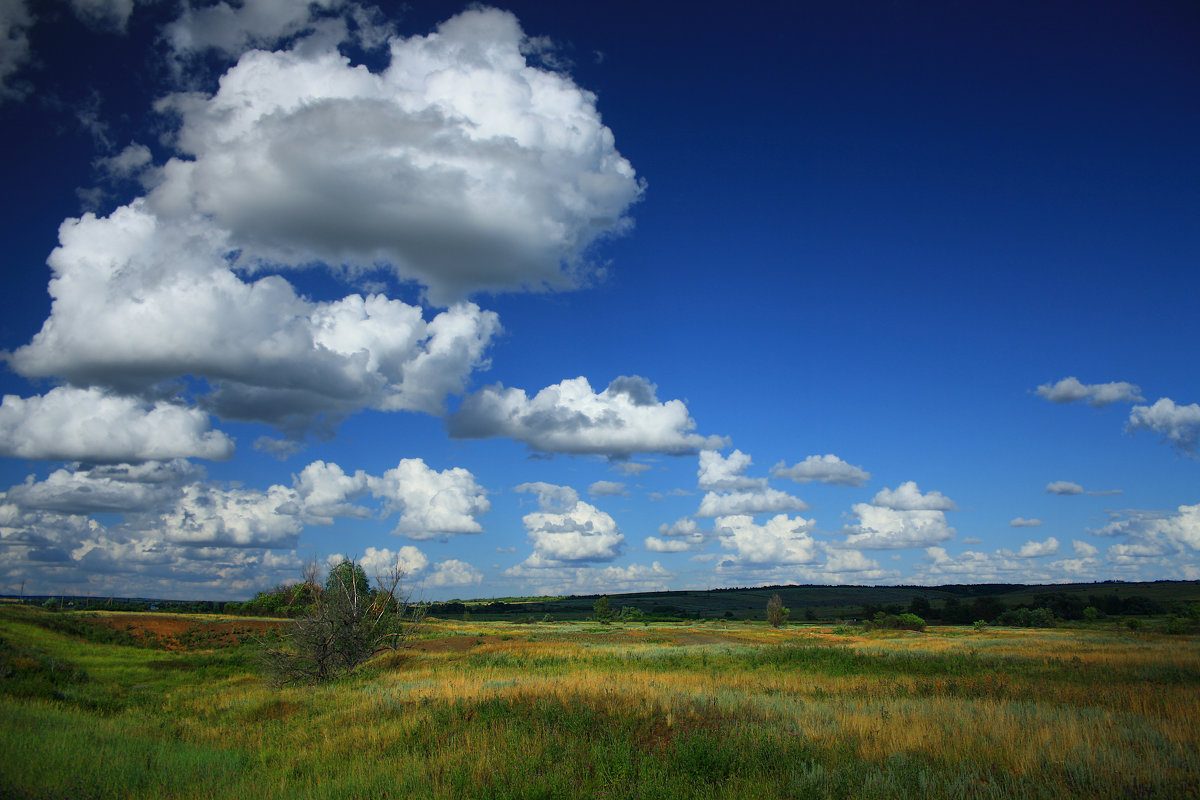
713	709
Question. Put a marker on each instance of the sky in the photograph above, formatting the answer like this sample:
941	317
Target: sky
573	298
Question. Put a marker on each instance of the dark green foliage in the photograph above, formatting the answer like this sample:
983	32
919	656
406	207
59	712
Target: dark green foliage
602	611
1027	618
906	622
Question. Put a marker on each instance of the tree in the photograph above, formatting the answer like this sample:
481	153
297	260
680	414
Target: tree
347	625
777	613
602	610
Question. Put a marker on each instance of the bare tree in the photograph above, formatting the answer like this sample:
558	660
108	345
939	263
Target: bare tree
348	624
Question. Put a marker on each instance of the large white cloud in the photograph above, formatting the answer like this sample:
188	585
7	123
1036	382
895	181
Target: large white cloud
780	540
138	300
825	469
568	529
69	424
459	165
431	504
569	417
880	528
1177	424
1070	390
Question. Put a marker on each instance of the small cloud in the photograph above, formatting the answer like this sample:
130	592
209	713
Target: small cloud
1033	549
1084	549
1021	522
824	469
608	489
1070	390
1071	488
907	497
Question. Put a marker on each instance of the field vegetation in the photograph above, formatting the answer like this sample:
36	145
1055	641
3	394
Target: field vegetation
95	705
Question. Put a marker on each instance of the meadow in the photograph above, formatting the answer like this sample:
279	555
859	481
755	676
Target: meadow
706	709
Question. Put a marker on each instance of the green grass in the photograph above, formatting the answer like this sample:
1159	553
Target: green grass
494	710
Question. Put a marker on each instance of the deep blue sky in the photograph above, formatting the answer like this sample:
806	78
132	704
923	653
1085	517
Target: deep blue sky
952	245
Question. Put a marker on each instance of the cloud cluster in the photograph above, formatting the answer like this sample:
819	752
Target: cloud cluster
681	536
459	165
780	540
70	424
824	469
900	518
569	417
1177	424
138	301
568	530
1070	390
1153	534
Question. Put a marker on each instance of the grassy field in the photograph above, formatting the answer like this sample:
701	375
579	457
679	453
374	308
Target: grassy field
713	709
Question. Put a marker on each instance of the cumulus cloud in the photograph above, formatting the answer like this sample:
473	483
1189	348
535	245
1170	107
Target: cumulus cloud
880	528
1178	425
70	424
569	417
381	561
431	504
824	469
568	531
460	165
683	535
118	488
207	515
780	540
907	497
1032	549
724	473
1084	549
1154	534
453	572
1021	522
15	20
1070	390
138	301
762	501
608	489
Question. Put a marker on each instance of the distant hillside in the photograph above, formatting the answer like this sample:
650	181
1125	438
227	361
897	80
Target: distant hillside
850	602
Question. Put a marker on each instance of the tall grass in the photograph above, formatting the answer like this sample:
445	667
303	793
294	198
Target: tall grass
549	711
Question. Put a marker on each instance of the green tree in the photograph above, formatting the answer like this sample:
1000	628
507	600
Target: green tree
348	623
602	610
777	612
